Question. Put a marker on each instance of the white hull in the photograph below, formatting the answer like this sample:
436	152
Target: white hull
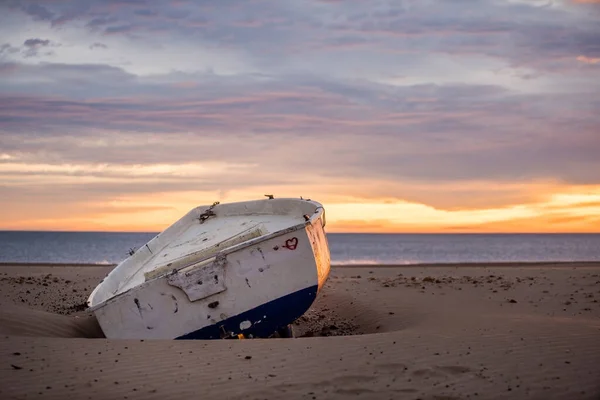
250	269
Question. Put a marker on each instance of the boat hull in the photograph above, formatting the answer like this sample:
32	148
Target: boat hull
264	319
253	289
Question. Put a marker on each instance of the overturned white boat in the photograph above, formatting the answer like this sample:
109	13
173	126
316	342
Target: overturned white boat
247	268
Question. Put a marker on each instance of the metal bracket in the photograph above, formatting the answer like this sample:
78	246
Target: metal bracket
208	213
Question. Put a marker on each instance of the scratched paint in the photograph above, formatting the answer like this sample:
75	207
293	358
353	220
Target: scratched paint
139	307
176	304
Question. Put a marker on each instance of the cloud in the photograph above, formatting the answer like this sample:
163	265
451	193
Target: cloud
38	12
545	38
6	50
99	22
30	48
422	132
68	80
118	29
523	34
98	45
36	43
588	60
457	105
145	12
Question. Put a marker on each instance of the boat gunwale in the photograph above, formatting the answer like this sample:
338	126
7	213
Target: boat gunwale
319	211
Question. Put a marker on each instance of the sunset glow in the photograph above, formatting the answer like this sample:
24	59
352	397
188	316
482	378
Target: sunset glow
398	117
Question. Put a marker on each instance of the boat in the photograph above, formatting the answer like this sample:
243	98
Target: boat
237	270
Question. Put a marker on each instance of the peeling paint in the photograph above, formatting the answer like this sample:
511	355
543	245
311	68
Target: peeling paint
245	325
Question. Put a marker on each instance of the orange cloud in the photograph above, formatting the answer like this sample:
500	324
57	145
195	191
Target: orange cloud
568	209
589	60
149	197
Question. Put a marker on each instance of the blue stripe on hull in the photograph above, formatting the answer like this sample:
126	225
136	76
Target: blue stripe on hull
272	316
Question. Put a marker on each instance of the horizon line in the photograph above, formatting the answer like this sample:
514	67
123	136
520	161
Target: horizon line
329	233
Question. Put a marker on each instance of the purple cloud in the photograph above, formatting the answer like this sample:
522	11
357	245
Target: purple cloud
38	12
434	132
145	12
118	29
443	91
524	34
99	22
33	47
6	49
36	43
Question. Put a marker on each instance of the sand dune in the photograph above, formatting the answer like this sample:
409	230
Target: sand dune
22	321
428	332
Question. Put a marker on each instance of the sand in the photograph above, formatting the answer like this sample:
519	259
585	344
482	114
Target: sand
395	332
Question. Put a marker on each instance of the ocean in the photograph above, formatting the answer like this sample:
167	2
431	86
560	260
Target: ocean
112	247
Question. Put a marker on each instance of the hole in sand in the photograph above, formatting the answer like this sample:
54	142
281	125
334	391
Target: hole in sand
341	314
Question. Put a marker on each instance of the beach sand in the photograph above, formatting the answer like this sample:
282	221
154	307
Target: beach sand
390	332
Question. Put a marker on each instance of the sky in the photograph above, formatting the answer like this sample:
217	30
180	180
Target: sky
399	116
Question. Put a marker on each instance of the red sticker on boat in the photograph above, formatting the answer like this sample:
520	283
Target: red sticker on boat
291	243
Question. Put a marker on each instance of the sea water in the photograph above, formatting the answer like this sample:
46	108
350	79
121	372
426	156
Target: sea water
113	247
